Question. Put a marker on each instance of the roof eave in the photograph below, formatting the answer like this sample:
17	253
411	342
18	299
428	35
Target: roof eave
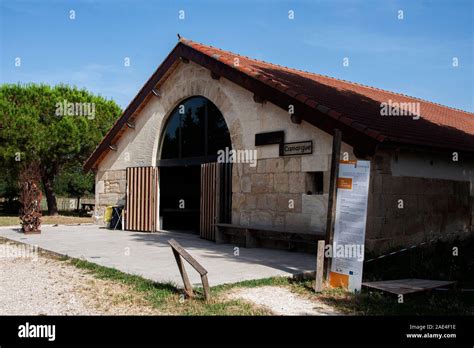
356	135
131	108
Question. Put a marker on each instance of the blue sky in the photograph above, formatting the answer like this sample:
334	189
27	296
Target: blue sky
412	56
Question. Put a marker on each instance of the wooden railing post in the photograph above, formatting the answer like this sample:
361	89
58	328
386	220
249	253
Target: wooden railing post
179	253
188	288
318	284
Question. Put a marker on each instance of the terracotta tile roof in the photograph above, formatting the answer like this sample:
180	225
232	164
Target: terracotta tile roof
352	107
358	105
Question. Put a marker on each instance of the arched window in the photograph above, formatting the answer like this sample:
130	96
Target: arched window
195	128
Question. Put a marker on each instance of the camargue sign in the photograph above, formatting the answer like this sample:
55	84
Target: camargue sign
297	148
349	225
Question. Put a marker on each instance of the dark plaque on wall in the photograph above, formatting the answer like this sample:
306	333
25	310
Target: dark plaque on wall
269	138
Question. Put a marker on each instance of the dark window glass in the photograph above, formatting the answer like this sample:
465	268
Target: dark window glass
170	147
192	127
195	128
218	134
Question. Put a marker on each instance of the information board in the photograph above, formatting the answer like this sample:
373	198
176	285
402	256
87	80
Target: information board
349	226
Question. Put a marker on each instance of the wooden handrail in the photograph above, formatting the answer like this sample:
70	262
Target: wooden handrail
179	252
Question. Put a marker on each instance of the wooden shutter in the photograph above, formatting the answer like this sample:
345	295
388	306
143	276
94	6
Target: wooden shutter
216	197
209	196
142	199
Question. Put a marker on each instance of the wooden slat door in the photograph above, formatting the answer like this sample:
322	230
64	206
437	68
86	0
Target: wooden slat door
209	200
142	199
216	197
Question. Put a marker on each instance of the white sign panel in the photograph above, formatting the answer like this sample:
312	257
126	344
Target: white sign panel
349	226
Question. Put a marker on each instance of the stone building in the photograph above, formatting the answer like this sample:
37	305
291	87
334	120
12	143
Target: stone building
202	99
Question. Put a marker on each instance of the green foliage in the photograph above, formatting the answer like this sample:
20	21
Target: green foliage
9	190
32	128
74	183
8	184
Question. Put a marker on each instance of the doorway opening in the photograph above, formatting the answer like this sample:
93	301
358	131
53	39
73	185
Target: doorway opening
194	133
179	197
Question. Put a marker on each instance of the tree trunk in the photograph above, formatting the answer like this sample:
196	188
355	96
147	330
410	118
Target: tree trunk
79	203
50	196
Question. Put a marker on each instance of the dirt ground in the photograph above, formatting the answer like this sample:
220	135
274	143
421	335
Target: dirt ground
281	301
46	286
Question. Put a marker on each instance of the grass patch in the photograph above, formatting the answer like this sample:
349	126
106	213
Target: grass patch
276	281
168	298
156	292
46	220
9	220
379	303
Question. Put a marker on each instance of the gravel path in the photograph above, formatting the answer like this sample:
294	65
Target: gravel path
43	285
281	301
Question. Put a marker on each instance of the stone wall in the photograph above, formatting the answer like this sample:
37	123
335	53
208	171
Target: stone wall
403	210
109	189
244	118
273	195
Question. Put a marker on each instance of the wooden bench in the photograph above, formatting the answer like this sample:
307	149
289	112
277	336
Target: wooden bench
254	235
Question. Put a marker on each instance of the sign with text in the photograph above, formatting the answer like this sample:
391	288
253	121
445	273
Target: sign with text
349	226
297	148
